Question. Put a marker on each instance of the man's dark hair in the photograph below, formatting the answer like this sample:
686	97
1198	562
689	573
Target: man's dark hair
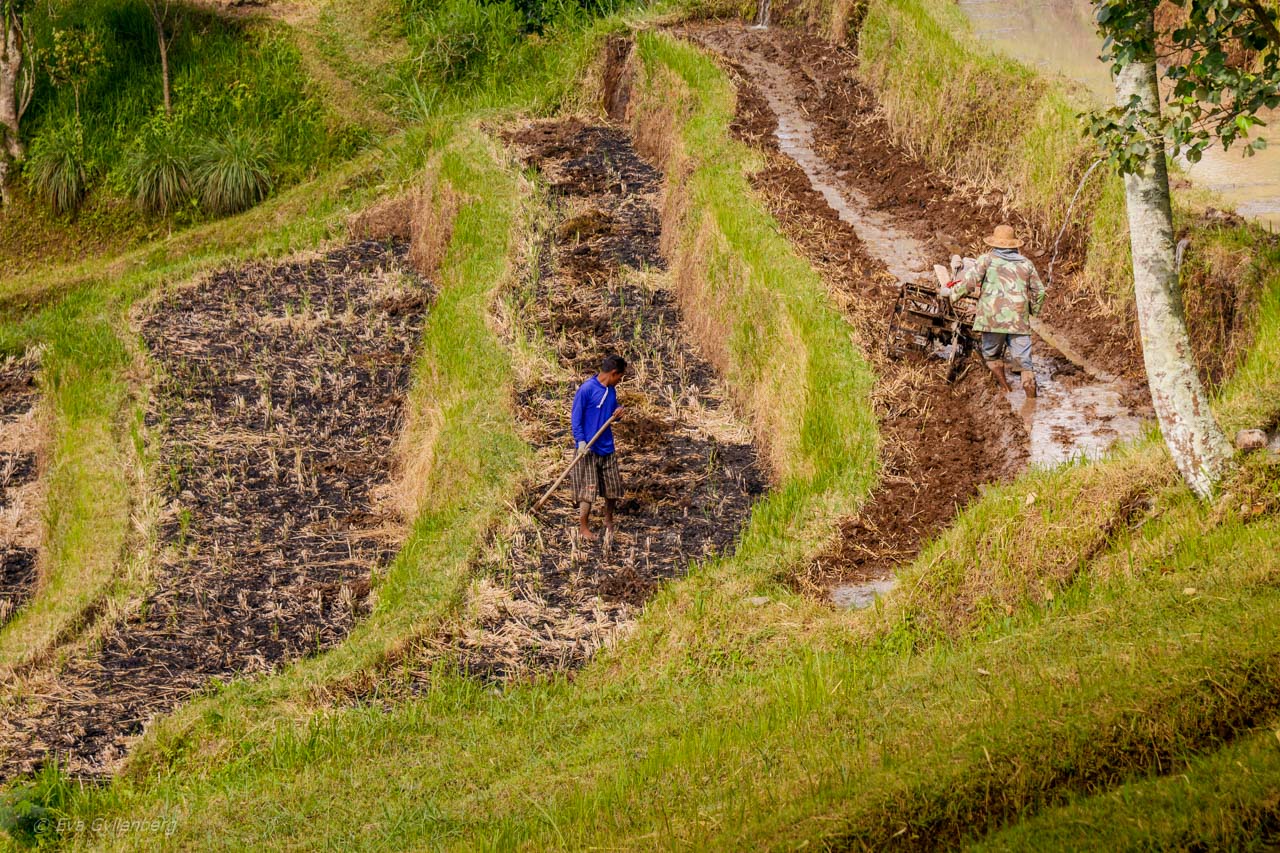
613	362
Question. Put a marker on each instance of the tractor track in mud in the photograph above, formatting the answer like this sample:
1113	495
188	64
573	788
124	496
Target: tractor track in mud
279	394
548	600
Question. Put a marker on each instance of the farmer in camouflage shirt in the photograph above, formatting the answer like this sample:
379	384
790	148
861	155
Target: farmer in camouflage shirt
1009	294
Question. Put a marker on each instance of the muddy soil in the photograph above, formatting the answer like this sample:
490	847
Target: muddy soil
870	215
943	216
21	503
688	464
280	391
942	441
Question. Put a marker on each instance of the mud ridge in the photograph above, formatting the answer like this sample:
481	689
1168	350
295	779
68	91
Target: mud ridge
21	498
279	395
549	600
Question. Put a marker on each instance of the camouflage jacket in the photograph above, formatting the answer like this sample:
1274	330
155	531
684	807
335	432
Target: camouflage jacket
1009	293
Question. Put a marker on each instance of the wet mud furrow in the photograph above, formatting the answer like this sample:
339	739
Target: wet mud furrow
916	201
941	442
21	503
550	599
914	218
279	394
836	180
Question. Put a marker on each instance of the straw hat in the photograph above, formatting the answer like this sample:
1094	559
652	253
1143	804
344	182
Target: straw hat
1003	238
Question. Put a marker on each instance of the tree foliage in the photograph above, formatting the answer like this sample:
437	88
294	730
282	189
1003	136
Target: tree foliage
1221	67
77	55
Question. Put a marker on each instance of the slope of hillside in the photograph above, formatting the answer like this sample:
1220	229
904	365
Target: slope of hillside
1078	646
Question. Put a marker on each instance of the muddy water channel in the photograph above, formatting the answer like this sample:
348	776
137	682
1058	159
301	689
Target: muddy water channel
798	98
1064	422
1058	36
1068	419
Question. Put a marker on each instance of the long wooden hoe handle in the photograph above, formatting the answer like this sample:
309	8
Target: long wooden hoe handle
577	457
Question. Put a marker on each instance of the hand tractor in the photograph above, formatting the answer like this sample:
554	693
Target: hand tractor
926	321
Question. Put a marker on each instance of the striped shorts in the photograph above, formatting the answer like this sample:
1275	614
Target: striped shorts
596	476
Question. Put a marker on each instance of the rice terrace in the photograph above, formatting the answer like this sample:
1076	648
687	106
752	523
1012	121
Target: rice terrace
505	424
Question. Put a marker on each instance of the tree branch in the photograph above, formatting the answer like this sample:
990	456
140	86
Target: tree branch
1264	21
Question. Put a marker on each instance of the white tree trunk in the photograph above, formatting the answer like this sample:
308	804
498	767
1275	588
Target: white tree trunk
1198	446
11	88
15	94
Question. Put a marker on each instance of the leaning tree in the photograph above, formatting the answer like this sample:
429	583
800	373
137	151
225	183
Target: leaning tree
1222	66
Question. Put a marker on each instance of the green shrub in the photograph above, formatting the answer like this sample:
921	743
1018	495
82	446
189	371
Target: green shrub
456	40
158	170
29	812
231	173
224	73
56	169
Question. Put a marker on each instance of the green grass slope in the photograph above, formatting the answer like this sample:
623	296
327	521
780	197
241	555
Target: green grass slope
1126	637
1087	647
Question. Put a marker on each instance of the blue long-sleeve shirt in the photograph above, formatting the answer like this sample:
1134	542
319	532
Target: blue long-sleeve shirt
592	406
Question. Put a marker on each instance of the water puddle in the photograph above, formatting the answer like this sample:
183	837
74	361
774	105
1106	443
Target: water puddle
1080	422
1058	36
858	596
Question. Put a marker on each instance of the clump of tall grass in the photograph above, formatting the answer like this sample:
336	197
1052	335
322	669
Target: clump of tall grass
457	40
221	72
158	170
27	810
56	169
231	173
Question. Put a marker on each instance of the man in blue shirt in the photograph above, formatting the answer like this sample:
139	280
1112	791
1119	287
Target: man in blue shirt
596	474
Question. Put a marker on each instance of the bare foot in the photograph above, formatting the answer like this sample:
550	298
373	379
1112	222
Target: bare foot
587	534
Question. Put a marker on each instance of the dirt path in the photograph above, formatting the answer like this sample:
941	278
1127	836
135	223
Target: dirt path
870	216
280	393
549	600
21	495
344	45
